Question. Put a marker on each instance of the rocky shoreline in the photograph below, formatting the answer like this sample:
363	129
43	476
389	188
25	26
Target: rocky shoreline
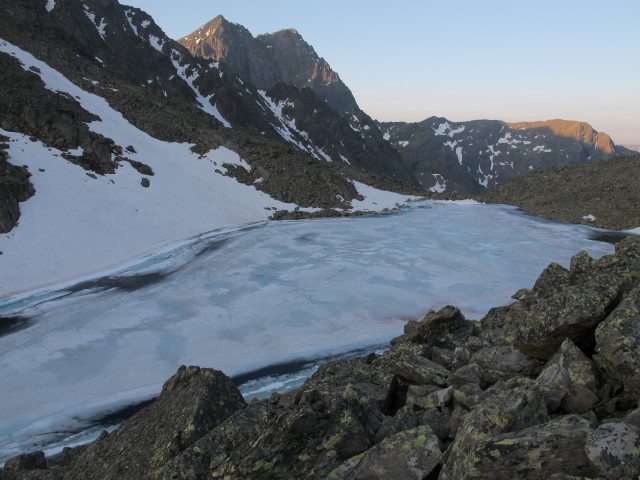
544	388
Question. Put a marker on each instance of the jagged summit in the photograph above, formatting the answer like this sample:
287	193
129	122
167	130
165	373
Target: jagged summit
279	57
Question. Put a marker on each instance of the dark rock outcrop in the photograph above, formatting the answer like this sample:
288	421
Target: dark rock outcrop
15	187
451	399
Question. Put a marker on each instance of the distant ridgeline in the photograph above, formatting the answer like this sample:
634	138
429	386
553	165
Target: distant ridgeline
471	156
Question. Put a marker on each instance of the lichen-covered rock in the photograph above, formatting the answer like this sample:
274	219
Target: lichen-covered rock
507	407
504	362
552	279
572	380
304	434
426	396
446	328
618	342
534	453
24	465
412	455
405	360
614	450
572	313
192	402
364	376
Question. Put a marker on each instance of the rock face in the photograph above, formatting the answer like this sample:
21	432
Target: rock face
515	396
280	57
15	187
469	157
604	194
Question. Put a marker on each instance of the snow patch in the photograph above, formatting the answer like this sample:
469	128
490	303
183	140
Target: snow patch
156	43
589	217
376	200
446	129
403	143
324	155
441	184
129	14
99	26
542	148
51	4
386	136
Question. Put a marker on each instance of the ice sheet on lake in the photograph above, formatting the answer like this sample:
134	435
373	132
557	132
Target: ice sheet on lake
285	291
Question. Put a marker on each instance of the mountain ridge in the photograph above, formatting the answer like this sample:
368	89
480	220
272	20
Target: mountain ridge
472	156
270	58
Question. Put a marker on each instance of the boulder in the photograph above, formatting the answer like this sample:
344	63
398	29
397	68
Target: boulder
192	402
506	407
574	312
26	465
446	328
406	361
303	434
552	279
535	453
412	454
504	362
618	343
613	450
572	380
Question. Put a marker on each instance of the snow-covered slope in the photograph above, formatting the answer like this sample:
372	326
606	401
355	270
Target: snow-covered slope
78	223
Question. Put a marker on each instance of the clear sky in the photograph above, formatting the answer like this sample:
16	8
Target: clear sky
406	60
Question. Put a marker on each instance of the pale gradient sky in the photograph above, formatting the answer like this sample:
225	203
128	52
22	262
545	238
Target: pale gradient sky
407	60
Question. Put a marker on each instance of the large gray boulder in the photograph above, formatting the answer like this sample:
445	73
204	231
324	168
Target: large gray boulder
534	453
507	407
412	455
571	380
618	343
192	402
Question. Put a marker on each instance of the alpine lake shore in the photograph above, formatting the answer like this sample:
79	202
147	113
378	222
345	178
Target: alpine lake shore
544	388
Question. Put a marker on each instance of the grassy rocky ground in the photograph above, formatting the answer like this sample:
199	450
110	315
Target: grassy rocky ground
544	388
603	194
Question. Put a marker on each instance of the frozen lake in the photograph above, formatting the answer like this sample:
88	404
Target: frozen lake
250	298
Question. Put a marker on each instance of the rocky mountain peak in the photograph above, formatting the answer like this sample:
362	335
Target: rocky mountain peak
279	57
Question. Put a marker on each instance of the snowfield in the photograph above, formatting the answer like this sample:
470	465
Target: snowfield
76	225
